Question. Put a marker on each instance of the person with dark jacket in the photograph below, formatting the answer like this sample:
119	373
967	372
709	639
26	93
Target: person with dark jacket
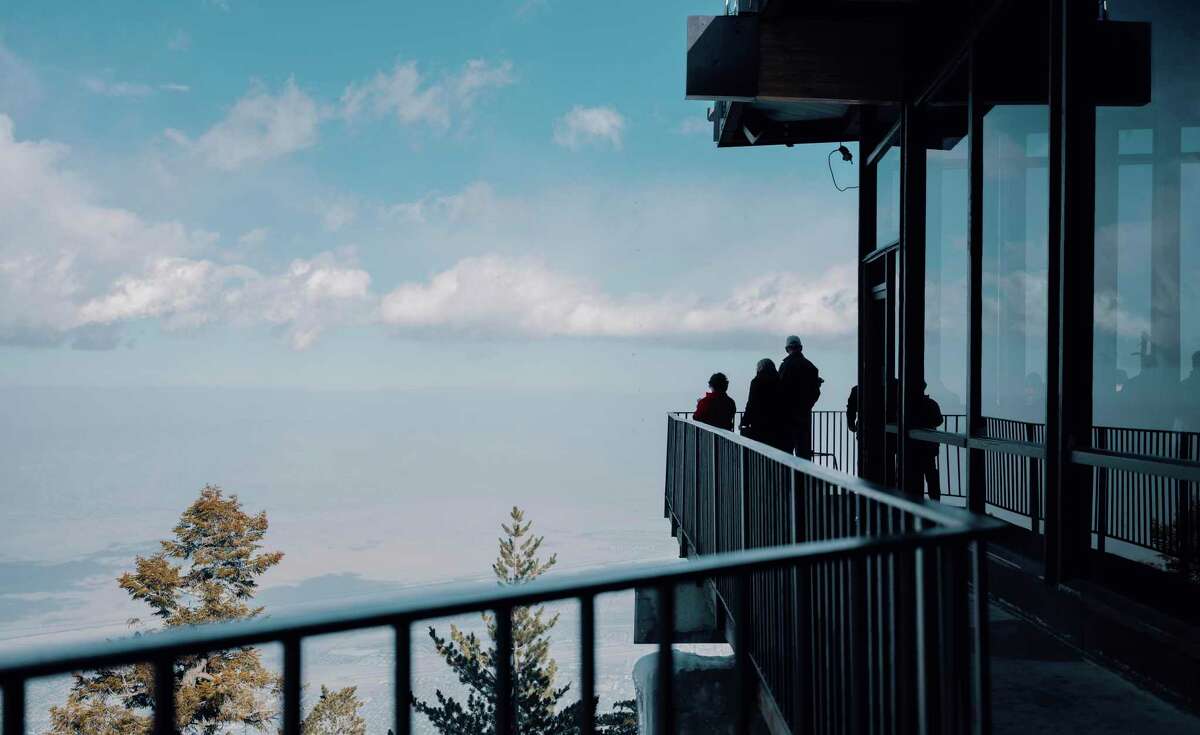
799	389
852	410
930	417
763	419
716	408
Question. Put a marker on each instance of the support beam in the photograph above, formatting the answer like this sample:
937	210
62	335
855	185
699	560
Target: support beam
912	297
975	464
870	398
1071	290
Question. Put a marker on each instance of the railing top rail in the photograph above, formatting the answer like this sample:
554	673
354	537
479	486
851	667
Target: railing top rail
925	509
414	605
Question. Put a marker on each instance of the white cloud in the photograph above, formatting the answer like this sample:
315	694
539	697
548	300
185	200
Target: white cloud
306	299
336	214
256	236
19	85
472	201
694	126
409	96
261	126
180	289
586	125
492	295
58	248
73	270
108	88
478	75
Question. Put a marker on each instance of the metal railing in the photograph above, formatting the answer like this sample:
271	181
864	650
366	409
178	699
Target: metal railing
834	444
1144	510
1139	508
874	565
876	641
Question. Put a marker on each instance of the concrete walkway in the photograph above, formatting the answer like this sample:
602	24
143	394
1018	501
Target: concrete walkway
1040	685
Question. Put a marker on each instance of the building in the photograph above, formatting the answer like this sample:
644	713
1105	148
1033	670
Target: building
1029	248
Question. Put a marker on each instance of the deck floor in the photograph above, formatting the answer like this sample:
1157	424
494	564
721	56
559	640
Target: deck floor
1041	685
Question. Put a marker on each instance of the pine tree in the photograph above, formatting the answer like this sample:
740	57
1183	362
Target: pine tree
335	713
536	696
623	720
207	573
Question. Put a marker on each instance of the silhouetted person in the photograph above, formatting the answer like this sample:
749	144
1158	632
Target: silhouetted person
852	410
799	389
716	408
929	416
763	419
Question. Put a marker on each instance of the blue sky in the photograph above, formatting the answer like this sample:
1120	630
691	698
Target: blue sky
392	194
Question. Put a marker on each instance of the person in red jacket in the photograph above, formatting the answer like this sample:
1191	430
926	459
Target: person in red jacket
716	408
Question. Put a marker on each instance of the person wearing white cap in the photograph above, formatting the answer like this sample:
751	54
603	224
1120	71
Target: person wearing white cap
799	389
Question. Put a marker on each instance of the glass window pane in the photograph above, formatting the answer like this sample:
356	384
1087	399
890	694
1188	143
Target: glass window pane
946	274
1147	275
887	198
1015	241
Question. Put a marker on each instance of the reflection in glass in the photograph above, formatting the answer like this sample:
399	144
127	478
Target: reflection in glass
1015	238
887	198
946	274
1147	276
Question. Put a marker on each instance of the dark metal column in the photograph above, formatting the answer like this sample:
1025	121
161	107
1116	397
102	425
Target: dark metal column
868	457
975	461
912	296
1071	290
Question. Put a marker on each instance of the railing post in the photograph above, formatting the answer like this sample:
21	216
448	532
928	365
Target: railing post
1101	484
744	672
506	716
664	711
1183	510
587	664
164	696
291	685
1035	510
716	510
14	707
981	671
861	704
402	643
710	539
744	492
802	614
905	595
669	482
929	631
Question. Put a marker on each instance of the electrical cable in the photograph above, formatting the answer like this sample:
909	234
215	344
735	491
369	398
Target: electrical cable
845	157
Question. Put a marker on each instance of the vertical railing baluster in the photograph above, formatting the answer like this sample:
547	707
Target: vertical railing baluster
14	707
587	664
1184	532
981	673
164	696
742	669
744	489
664	709
402	675
1101	483
506	715
291	685
860	698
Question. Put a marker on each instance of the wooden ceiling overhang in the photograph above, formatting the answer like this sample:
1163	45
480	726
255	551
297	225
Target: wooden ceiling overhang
814	72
